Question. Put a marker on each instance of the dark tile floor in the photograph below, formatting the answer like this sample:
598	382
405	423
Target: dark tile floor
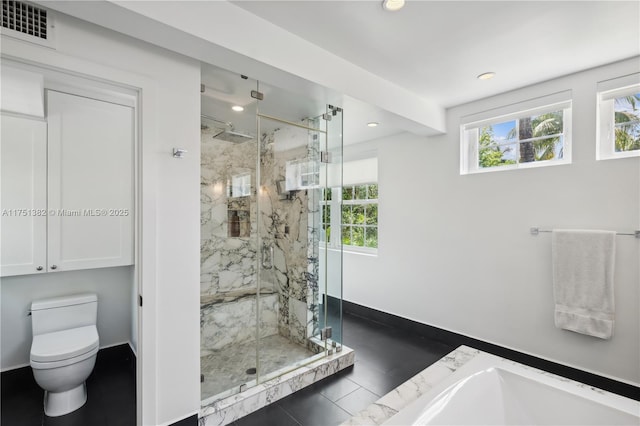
385	358
111	389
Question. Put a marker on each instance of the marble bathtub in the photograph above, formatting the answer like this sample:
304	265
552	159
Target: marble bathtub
423	399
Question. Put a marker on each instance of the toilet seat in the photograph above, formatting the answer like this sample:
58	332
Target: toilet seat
64	347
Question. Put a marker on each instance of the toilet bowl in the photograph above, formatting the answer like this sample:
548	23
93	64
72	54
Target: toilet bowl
64	349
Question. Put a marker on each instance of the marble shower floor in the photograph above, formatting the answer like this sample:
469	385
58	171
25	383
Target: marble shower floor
226	368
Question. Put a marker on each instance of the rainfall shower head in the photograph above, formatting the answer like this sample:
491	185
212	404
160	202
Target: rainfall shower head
231	136
226	133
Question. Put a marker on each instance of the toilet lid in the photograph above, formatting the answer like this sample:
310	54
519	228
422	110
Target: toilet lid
64	344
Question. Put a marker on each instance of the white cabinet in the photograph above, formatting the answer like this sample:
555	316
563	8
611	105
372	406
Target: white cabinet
23	196
86	194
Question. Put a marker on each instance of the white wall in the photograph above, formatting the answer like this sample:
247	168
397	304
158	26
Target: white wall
169	201
112	285
455	251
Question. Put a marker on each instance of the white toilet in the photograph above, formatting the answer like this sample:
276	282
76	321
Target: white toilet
64	348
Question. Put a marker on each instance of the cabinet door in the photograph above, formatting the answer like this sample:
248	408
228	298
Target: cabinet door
90	182
23	197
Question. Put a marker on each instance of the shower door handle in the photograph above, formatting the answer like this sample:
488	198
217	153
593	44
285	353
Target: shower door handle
267	256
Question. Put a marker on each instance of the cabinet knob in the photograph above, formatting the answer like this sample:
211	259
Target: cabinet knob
54	266
39	268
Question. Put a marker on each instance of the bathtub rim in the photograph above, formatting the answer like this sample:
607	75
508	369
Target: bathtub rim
484	361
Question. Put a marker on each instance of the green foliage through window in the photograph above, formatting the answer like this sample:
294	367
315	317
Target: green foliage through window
527	139
627	123
360	216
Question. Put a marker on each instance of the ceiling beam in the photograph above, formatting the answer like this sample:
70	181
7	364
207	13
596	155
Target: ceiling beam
224	35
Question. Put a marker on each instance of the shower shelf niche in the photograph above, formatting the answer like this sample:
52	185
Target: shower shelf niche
239	218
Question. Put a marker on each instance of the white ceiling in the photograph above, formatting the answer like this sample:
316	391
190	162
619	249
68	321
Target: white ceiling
437	48
401	69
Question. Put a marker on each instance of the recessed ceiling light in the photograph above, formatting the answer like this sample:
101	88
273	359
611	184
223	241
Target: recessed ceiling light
237	108
372	124
486	75
392	5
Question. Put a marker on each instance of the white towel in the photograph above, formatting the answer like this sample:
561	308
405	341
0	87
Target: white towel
583	263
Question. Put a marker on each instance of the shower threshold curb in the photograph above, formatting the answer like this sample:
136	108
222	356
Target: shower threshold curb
224	411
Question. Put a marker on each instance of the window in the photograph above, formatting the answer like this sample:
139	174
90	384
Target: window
619	119
355	207
535	137
360	216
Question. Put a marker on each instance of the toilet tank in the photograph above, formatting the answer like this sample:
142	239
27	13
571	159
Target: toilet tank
63	313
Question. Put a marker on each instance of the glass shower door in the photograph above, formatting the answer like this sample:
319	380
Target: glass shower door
288	278
330	271
292	329
228	238
271	272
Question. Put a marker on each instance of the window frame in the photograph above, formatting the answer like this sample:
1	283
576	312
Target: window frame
336	205
605	121
470	138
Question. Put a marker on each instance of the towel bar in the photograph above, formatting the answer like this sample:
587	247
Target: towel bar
536	231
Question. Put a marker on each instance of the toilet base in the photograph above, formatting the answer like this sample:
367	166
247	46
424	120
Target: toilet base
61	403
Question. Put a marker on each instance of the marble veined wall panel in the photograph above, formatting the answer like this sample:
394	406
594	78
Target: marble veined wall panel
285	225
289	237
226	263
229	321
229	267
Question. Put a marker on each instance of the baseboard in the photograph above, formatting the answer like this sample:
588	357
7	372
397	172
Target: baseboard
331	302
133	349
118	353
15	367
455	339
187	421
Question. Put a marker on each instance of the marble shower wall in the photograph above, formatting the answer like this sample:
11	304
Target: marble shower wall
228	281
288	224
228	268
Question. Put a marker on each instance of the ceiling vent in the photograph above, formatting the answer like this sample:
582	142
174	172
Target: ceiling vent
26	22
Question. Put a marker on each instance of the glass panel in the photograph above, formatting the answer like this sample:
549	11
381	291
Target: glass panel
347	214
346	234
228	283
496	145
358	214
331	276
265	297
548	149
371	214
294	223
627	123
627	137
547	124
347	193
326	214
371	237
373	192
327	194
357	236
289	229
530	131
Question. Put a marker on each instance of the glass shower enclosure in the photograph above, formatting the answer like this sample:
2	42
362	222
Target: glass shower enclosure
266	157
